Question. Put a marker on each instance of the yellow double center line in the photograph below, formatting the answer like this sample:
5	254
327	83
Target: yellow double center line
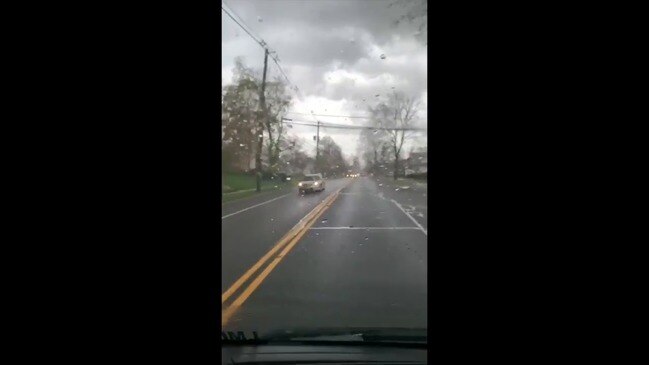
289	240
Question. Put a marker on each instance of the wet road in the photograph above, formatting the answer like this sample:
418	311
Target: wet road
361	263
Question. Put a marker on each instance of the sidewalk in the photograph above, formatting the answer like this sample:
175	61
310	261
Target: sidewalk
248	193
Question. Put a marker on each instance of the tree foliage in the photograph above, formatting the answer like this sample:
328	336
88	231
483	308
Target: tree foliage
293	158
331	160
242	121
278	101
239	118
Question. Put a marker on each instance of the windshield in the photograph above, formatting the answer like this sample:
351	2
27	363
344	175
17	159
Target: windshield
337	88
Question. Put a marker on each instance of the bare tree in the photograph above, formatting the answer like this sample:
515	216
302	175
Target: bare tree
397	115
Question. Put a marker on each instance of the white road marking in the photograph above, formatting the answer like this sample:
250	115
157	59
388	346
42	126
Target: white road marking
365	228
256	205
367	193
409	216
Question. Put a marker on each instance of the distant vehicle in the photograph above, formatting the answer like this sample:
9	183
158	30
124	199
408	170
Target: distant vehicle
312	182
353	175
284	176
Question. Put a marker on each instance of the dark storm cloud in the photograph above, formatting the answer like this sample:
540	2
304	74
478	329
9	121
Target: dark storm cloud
331	50
375	16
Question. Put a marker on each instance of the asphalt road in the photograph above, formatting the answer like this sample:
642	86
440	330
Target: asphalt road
362	263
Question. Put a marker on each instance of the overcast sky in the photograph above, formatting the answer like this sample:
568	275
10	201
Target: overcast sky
331	50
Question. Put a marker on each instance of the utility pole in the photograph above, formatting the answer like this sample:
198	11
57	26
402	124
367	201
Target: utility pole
262	102
317	148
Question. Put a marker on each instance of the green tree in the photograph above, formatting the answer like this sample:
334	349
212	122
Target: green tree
293	156
331	157
239	118
278	101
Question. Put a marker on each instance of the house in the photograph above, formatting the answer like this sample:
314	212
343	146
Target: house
417	163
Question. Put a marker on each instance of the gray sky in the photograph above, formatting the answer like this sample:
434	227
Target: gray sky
331	50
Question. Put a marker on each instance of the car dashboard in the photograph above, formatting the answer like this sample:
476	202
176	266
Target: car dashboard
305	353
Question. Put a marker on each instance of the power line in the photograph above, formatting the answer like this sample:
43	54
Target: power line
346	126
330	115
274	58
261	43
264	45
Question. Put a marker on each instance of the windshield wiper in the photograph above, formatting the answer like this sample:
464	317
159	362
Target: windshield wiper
352	335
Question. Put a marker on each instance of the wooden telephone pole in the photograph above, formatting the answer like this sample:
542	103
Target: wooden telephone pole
317	149
260	136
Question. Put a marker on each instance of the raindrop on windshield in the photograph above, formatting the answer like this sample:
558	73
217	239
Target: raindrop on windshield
375	131
397	189
317	234
377	95
380	184
241	145
324	220
353	251
382	56
259	19
367	238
